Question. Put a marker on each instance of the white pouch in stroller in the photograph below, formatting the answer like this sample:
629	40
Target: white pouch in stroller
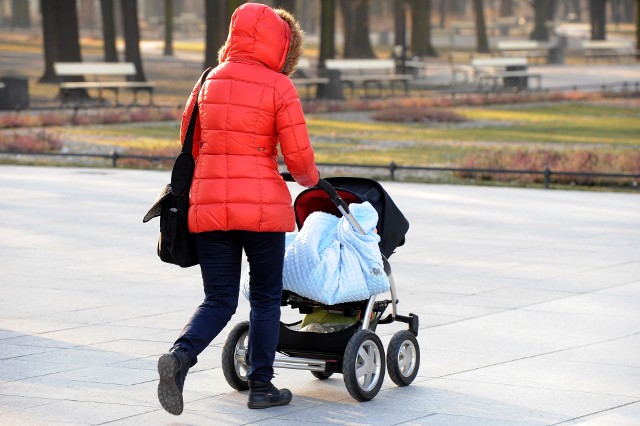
329	262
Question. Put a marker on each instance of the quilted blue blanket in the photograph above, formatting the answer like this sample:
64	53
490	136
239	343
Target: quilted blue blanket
328	261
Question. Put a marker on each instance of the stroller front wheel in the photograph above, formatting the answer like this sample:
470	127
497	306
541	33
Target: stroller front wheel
403	358
234	357
363	365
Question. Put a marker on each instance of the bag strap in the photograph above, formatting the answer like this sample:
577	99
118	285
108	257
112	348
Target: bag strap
187	143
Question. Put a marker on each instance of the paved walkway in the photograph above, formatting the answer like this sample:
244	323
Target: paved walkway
529	303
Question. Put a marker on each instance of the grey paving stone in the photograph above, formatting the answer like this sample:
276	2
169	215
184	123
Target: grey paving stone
527	300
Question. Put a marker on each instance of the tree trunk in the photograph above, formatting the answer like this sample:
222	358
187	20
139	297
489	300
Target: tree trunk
355	14
50	40
421	28
598	19
506	8
543	12
482	44
327	31
288	5
577	10
61	40
638	30
628	15
457	7
132	37
20	16
442	10
616	11
400	27
327	48
168	27
232	5
215	12
108	30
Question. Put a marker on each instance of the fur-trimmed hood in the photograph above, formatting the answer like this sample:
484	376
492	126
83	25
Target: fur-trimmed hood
260	33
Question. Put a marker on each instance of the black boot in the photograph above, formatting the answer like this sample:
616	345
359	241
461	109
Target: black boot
172	368
265	395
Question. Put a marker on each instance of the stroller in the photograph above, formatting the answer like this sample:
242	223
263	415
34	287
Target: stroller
355	351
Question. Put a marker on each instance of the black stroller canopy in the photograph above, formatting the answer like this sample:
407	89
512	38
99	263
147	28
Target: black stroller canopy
392	225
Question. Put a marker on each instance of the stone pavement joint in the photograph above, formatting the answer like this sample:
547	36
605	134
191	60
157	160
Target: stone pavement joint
529	305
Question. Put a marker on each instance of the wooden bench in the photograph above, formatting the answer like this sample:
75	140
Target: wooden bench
512	72
306	76
102	74
608	50
502	25
369	73
530	49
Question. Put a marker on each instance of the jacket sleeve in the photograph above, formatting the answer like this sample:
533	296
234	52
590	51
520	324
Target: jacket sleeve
186	116
294	137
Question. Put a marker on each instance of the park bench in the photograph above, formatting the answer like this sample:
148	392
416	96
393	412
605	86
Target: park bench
460	66
305	76
503	25
530	49
511	72
369	73
102	74
608	50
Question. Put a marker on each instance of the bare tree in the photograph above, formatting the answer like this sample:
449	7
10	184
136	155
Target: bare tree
421	28
638	30
132	37
288	5
20	16
506	8
400	25
216	30
61	37
108	30
482	43
598	19
355	17
168	27
442	11
327	49
327	31
543	13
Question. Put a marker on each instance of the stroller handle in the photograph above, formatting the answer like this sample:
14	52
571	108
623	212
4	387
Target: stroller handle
326	187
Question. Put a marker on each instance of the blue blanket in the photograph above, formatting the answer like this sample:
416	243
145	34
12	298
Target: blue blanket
328	261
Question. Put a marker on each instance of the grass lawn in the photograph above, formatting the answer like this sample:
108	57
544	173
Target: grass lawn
598	127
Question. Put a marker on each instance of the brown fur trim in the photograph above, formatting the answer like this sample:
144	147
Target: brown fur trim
296	47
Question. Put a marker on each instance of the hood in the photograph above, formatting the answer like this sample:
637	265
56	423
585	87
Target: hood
260	33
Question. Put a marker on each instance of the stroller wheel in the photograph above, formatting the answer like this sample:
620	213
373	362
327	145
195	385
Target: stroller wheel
321	375
403	358
234	357
363	365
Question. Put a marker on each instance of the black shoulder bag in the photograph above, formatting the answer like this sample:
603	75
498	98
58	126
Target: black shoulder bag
176	243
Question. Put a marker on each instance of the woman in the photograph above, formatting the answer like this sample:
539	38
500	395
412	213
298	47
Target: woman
238	199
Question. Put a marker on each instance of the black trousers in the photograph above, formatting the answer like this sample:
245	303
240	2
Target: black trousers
220	254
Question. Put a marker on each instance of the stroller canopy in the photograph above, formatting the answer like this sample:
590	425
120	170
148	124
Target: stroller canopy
392	225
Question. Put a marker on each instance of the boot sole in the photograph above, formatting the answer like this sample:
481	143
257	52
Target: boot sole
169	395
265	404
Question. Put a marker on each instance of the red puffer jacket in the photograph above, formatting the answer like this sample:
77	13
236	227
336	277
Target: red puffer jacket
246	106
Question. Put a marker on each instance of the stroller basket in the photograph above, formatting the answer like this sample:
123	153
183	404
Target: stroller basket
316	345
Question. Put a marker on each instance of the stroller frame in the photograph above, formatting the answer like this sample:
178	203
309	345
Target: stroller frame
356	351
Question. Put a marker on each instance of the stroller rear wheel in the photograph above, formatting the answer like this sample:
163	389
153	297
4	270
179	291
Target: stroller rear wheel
234	357
363	365
403	358
321	375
